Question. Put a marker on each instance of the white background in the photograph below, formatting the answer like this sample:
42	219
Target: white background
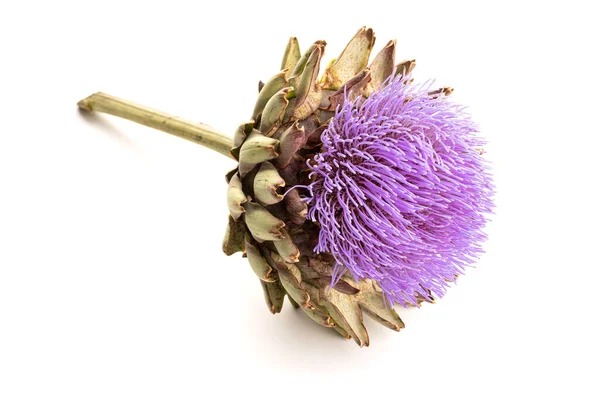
112	280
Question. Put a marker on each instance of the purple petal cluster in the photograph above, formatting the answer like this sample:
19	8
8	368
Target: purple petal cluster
401	191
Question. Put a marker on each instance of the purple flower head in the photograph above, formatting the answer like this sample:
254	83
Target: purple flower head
401	191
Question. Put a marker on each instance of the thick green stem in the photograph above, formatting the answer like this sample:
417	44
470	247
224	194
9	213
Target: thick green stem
192	131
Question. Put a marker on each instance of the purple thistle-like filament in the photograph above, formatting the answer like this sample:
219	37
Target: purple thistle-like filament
401	191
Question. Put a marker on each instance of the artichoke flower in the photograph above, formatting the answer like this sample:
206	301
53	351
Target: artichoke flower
354	190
